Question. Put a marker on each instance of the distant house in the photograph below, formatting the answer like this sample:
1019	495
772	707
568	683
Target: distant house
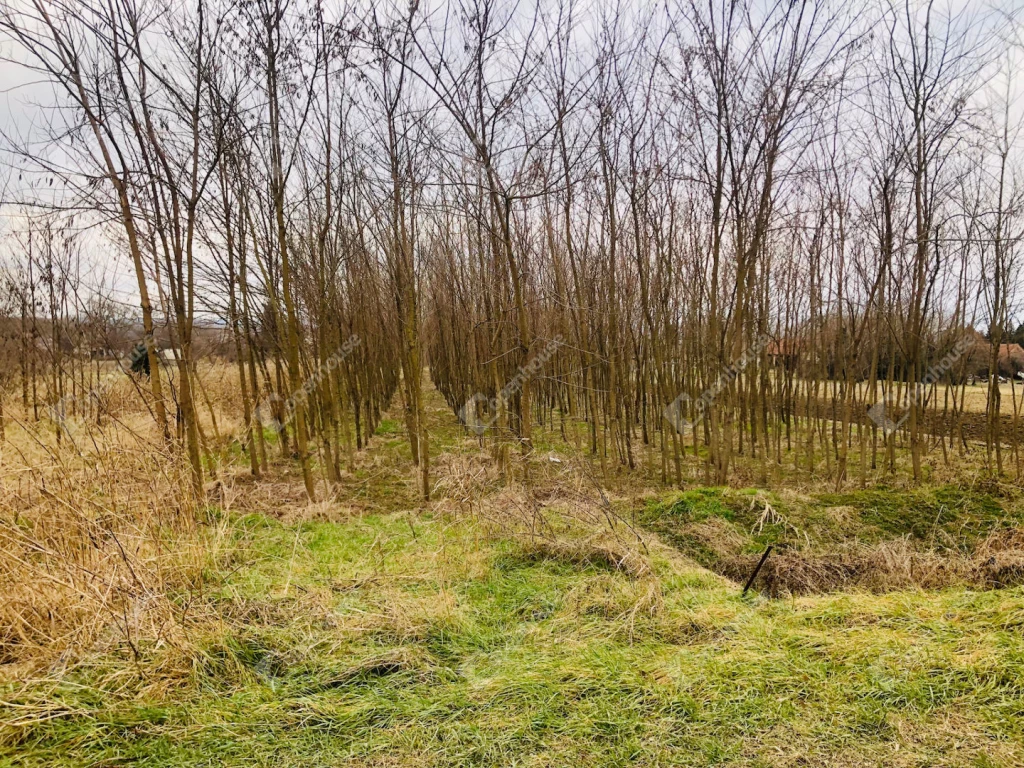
1010	361
785	353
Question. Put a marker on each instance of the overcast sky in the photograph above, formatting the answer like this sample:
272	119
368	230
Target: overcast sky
26	107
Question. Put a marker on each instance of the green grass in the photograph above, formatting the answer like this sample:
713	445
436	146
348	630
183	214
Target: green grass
388	427
398	640
924	513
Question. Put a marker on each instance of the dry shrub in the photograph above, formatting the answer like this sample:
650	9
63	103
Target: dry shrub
462	478
718	534
99	545
282	497
888	566
999	559
574	528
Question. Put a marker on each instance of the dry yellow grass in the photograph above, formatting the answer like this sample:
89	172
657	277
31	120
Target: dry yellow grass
102	539
975	397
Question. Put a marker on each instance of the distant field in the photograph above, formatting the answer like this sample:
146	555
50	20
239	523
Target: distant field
1010	393
975	396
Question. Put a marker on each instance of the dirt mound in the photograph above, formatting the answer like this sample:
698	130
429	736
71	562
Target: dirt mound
728	532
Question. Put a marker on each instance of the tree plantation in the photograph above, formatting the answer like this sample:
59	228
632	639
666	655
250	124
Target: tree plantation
466	382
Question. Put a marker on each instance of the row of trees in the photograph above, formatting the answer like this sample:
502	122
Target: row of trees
690	227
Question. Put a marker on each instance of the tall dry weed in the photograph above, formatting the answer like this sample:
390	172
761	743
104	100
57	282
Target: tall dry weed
102	544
